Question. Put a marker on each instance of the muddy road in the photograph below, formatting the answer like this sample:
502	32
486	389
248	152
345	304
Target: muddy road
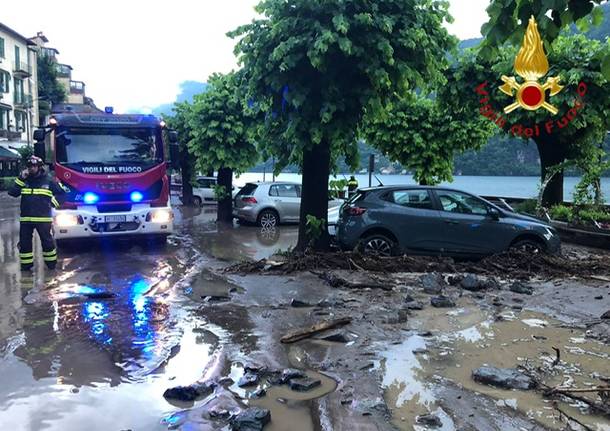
98	344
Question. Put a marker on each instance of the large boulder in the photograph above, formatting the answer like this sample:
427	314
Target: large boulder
505	378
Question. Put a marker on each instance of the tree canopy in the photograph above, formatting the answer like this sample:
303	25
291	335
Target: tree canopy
583	104
423	135
222	134
314	67
50	91
508	20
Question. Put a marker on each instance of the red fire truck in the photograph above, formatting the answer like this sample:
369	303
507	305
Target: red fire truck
114	168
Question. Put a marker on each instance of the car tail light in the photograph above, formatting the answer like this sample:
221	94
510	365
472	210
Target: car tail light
355	211
249	200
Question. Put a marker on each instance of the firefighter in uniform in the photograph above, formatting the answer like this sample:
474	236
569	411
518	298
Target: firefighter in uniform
352	186
38	195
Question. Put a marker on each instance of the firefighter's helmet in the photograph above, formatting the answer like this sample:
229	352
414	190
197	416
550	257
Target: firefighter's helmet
34	161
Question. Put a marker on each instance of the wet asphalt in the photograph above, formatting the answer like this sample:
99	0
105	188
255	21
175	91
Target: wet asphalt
95	344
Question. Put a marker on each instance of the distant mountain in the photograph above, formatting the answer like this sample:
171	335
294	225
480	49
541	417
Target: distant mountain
188	89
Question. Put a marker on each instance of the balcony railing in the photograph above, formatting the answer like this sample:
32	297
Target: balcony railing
23	100
22	69
63	71
77	87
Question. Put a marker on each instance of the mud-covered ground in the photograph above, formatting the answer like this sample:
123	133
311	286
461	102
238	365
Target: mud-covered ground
97	344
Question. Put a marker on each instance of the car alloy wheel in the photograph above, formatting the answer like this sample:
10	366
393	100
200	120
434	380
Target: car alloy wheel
378	245
268	219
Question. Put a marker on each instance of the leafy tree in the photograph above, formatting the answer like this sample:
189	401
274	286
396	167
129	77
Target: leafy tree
314	67
423	135
508	20
180	123
50	91
222	135
575	59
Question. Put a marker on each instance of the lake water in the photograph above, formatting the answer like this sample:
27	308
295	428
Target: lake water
517	187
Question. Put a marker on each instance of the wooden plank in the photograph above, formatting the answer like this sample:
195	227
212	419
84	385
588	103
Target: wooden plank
302	333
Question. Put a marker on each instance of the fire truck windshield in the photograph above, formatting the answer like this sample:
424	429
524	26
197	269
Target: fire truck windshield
87	148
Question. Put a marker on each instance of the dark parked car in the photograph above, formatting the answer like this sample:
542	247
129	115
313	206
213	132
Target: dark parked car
436	220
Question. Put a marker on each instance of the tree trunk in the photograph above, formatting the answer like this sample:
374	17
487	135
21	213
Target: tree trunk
225	205
314	195
552	152
186	171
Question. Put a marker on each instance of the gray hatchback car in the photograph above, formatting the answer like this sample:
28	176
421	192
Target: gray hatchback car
436	220
268	204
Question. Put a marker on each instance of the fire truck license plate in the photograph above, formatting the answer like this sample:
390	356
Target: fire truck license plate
115	219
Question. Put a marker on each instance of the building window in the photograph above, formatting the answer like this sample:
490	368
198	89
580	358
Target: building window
1	47
17	56
19	93
3	119
5	78
20	121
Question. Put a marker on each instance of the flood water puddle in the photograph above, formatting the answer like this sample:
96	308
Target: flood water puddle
467	338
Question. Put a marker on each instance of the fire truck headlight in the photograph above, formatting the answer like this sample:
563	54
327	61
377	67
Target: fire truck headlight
66	220
161	216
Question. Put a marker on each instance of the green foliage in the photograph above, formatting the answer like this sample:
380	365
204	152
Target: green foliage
508	20
220	127
561	213
50	91
221	192
313	67
594	215
423	134
336	187
527	206
588	190
315	228
6	182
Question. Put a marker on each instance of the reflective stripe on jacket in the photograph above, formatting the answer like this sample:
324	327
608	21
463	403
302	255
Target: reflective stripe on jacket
38	195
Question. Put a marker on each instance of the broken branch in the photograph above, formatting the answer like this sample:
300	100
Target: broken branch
300	334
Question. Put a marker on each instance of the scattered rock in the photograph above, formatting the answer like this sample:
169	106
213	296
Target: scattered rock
217	412
289	374
519	287
599	297
403	315
419	351
248	379
259	393
454	280
189	393
473	283
433	283
324	303
215	298
606	315
414	305
430	421
299	304
253	367
304	384
409	298
251	419
442	302
226	381
337	337
506	378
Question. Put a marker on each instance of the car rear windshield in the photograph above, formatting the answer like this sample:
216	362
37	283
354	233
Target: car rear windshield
247	190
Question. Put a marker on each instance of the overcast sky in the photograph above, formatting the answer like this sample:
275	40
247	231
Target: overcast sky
133	54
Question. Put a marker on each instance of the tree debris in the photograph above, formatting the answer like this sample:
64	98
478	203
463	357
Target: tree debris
300	334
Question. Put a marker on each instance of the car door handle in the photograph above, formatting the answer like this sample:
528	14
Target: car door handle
451	222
